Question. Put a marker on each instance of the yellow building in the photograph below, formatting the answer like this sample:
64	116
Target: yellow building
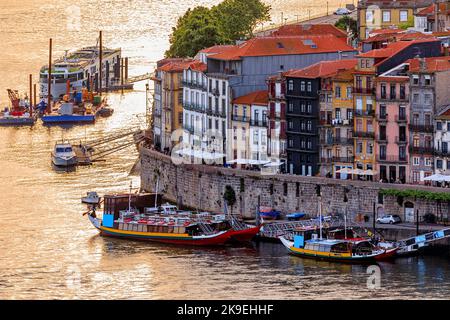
364	113
373	14
168	105
342	105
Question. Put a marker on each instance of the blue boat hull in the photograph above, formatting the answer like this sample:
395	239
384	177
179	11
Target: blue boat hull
16	121
68	119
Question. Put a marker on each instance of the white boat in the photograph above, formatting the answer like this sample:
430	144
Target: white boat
63	155
91	198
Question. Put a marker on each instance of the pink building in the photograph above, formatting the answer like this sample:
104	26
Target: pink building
391	126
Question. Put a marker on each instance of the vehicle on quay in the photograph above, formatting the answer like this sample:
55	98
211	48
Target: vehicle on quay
63	155
129	216
389	219
342	12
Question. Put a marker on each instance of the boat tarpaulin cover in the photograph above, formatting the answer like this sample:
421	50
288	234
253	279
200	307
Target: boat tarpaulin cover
108	220
299	241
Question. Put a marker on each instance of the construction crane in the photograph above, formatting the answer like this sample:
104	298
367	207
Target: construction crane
15	100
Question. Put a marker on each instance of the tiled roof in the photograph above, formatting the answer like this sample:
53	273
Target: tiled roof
284	45
385	4
217	49
426	11
432	64
344	75
260	98
309	29
322	69
391	49
179	66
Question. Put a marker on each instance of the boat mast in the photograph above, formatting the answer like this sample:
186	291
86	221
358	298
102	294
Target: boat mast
320	215
129	197
156	191
100	76
345	223
31	96
49	73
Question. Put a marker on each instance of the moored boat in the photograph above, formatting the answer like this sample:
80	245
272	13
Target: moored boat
337	250
91	198
63	155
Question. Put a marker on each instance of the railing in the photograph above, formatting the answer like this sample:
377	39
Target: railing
327	141
382	117
363	90
381	138
421	150
364	134
195	85
341	122
215	92
344	159
240	118
326	160
343	140
442	153
194	107
392	159
421	128
258	123
401	140
401	119
365	113
216	113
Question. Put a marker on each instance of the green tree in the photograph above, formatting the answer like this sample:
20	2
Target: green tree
238	18
349	22
225	23
195	30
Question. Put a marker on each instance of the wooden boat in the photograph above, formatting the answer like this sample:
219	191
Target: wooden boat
337	250
139	222
91	198
268	213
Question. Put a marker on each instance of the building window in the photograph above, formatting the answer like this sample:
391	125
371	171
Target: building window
302	86
428	162
386	16
290	125
416	161
338	92
359	148
309	86
403	15
291	85
416	98
439	164
427	80
349	92
438	125
415	79
369	16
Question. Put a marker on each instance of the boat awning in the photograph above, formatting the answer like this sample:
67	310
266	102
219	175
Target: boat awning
437	178
200	154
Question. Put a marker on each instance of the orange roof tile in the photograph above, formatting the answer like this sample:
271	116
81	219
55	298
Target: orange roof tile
284	45
426	11
322	69
179	66
309	29
217	49
260	98
432	64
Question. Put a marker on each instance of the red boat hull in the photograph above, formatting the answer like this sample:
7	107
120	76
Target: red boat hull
389	254
245	235
219	239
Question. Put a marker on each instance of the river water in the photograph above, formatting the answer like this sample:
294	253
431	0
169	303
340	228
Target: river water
48	250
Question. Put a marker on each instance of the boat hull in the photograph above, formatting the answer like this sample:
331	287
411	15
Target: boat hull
54	119
178	239
62	162
245	235
332	257
17	121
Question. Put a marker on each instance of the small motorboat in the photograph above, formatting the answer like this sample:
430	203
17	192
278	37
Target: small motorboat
91	198
268	213
295	216
63	155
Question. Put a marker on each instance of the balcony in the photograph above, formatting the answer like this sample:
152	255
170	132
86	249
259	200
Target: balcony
326	160
344	159
193	107
382	139
382	117
340	122
421	150
392	159
329	141
401	140
258	123
325	122
401	119
365	113
343	141
194	85
216	113
364	134
421	128
215	92
240	118
442	153
363	90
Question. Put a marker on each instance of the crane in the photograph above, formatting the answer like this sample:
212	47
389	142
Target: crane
14	97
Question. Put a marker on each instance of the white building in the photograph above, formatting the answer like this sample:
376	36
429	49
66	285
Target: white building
442	141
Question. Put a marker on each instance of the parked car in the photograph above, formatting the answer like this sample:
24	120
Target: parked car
342	12
389	219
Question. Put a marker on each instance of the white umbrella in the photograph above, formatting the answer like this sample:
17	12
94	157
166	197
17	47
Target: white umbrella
238	161
435	177
258	162
273	164
370	172
344	170
446	178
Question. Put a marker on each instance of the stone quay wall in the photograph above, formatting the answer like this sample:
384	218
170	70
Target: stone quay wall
203	187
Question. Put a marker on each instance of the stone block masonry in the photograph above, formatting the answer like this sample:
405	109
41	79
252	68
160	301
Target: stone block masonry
203	187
